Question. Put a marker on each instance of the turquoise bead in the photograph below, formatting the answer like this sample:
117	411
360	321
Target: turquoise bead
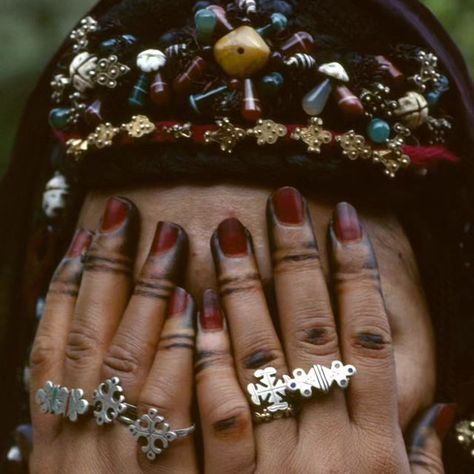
279	24
271	84
139	93
206	22
199	101
378	131
315	101
59	118
434	96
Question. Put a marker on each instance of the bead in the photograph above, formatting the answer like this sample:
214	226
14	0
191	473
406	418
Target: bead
235	84
199	101
397	76
378	131
93	114
59	118
435	95
278	25
183	84
200	5
206	22
80	71
242	52
334	71
315	101
139	92
412	110
300	42
251	108
271	84
159	91
115	45
301	61
221	15
151	60
249	7
349	104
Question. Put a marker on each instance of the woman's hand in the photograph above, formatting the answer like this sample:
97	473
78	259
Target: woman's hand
96	326
353	432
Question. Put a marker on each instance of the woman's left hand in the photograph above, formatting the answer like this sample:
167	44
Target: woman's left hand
357	431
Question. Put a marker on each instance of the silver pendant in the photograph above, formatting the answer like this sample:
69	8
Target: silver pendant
109	401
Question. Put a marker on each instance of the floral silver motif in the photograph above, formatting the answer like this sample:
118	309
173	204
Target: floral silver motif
313	135
81	34
267	132
334	71
109	401
354	146
107	71
139	126
465	435
77	405
227	135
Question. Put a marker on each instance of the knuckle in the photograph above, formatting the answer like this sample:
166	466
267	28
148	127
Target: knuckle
297	261
122	360
43	352
260	351
317	339
160	393
431	463
230	418
83	344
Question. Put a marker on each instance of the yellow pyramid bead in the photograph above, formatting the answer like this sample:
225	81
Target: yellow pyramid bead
242	52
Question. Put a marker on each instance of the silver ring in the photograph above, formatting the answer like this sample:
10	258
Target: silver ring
109	403
61	401
272	395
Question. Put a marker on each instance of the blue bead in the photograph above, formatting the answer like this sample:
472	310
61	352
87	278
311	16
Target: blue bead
279	23
378	131
315	101
198	100
435	95
59	118
271	84
206	22
139	92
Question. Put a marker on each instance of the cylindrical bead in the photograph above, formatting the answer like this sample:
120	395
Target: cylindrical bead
300	42
222	21
394	73
159	91
251	106
183	84
350	105
139	93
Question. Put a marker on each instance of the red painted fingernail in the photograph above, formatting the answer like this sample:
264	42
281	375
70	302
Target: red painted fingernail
80	243
232	238
346	223
116	212
444	419
165	239
178	302
288	205
212	317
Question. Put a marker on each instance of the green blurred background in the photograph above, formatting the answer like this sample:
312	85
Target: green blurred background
30	31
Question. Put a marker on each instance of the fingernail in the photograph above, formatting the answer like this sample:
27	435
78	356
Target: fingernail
439	418
80	243
178	302
116	212
232	238
346	223
166	236
212	317
288	206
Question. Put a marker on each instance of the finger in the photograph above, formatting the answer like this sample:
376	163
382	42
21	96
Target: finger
366	339
307	322
169	386
425	448
47	355
226	420
133	347
254	339
104	294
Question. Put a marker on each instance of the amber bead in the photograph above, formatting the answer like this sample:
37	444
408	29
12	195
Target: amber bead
251	105
350	105
300	42
242	53
159	91
397	77
222	22
183	84
94	114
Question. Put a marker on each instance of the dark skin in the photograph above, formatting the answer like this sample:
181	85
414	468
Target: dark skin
382	327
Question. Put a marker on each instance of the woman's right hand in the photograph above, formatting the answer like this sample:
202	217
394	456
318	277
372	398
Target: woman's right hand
98	325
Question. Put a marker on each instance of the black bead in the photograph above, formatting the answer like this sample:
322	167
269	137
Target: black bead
276	6
172	37
200	6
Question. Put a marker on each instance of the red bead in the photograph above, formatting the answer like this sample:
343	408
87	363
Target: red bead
251	106
300	42
395	74
94	115
222	21
159	91
183	84
350	105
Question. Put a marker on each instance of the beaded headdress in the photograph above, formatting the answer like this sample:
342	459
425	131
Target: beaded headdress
238	75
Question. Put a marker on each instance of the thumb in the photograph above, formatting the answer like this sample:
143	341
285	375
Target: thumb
426	443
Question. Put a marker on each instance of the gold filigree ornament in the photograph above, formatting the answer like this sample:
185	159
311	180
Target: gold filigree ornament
227	135
77	148
179	130
107	71
267	132
313	135
354	146
139	126
465	435
80	35
103	135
